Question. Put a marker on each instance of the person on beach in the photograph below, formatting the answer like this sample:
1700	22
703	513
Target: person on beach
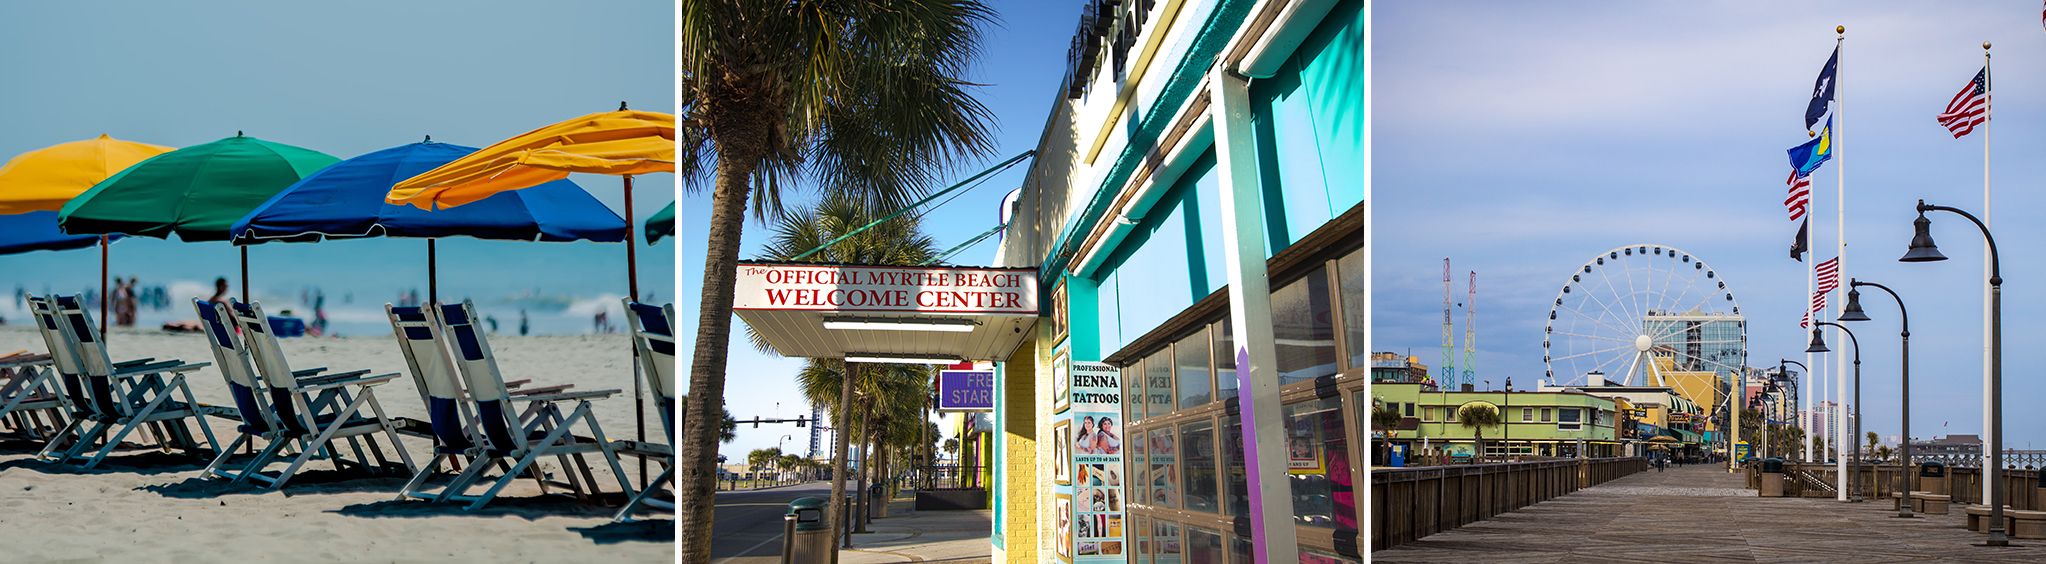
124	314
219	291
525	325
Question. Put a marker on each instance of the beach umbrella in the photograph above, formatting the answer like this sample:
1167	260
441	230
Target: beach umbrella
621	143
196	193
346	200
662	224
44	179
37	231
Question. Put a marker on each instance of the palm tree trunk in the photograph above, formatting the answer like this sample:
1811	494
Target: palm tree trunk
840	421
866	468
713	338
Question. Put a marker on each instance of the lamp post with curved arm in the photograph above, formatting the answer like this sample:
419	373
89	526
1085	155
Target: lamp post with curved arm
1853	312
1850	489
1795	395
1924	250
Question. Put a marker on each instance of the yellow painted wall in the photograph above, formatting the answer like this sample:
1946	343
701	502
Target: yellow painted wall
1019	479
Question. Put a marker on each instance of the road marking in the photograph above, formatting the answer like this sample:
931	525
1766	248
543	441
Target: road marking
749	550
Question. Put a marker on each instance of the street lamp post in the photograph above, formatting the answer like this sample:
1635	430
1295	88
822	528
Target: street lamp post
1795	396
1854	313
1923	250
1818	346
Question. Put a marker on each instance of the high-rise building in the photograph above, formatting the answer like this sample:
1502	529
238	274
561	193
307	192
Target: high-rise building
1701	342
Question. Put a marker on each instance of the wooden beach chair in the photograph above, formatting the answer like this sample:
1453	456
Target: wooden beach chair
541	429
28	394
314	408
120	397
653	335
450	420
243	385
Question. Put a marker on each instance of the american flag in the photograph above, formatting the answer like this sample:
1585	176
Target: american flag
1800	199
1828	274
1970	106
1818	303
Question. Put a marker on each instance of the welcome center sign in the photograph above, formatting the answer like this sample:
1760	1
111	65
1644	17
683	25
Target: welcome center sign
887	289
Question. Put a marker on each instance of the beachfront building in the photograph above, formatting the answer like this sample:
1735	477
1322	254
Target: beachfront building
1651	411
1195	217
1393	368
1546	423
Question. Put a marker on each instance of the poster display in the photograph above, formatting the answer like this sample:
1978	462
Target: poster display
1097	444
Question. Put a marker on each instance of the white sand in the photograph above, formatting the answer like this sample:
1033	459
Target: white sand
146	506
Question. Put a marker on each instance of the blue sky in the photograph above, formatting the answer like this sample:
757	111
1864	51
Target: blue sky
1520	140
1022	59
344	79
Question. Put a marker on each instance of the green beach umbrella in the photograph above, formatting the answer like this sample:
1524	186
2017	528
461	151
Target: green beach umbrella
196	193
662	224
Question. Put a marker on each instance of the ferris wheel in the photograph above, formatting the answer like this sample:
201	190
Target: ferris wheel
1641	315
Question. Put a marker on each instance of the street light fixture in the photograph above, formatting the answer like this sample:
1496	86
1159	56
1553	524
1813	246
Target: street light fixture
1796	395
1819	346
1854	308
1924	250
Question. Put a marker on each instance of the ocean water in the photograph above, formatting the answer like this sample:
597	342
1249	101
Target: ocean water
559	287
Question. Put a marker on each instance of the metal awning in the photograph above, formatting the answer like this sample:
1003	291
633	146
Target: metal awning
885	313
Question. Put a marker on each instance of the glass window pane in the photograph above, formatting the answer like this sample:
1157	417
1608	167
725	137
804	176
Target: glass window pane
1165	542
1232	452
1240	549
1318	461
1310	556
1203	546
1303	329
1164	474
1350	279
1195	387
1225	359
1133	391
1198	465
1139	470
1141	531
1158	383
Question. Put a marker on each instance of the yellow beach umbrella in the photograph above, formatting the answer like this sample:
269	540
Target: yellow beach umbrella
45	179
621	143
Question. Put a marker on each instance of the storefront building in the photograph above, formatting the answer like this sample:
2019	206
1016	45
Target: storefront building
1196	218
1547	423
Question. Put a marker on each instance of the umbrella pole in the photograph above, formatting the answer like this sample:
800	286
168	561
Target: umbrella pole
245	274
432	275
632	283
103	286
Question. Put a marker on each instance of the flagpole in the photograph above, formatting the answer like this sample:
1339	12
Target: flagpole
1989	474
1840	254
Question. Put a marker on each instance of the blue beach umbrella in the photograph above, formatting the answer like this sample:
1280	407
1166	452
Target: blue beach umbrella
346	200
37	231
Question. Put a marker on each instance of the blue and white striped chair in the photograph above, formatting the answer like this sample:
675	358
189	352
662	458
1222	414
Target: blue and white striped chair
314	408
243	385
540	429
653	336
118	397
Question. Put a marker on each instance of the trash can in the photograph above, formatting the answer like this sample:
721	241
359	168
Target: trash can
1932	477
811	540
879	495
1772	478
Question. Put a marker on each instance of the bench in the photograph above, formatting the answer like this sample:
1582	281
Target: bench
1978	518
1929	503
2027	524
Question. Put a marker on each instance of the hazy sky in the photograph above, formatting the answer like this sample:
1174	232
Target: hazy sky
1521	140
1023	57
344	79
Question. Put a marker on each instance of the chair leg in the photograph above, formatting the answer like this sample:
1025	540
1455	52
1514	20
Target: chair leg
391	431
462	481
322	440
641	498
213	468
532	454
263	457
419	477
140	418
204	428
604	446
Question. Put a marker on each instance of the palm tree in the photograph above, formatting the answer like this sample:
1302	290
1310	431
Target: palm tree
1385	419
790	463
862	96
1476	417
762	458
728	429
952	447
1872	440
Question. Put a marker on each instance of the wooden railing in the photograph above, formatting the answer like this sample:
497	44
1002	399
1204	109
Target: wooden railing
1410	503
1964	484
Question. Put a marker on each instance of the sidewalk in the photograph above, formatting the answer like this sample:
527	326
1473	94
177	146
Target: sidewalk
923	536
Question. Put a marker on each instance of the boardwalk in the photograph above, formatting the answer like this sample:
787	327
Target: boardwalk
1697	514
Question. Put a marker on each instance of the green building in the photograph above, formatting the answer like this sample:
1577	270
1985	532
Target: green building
1544	424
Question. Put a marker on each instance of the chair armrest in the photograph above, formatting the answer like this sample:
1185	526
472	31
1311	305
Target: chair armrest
304	378
517	383
354	381
542	389
308	372
128	363
177	366
567	396
23	360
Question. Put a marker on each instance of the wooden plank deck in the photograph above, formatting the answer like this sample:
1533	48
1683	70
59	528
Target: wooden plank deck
1702	514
